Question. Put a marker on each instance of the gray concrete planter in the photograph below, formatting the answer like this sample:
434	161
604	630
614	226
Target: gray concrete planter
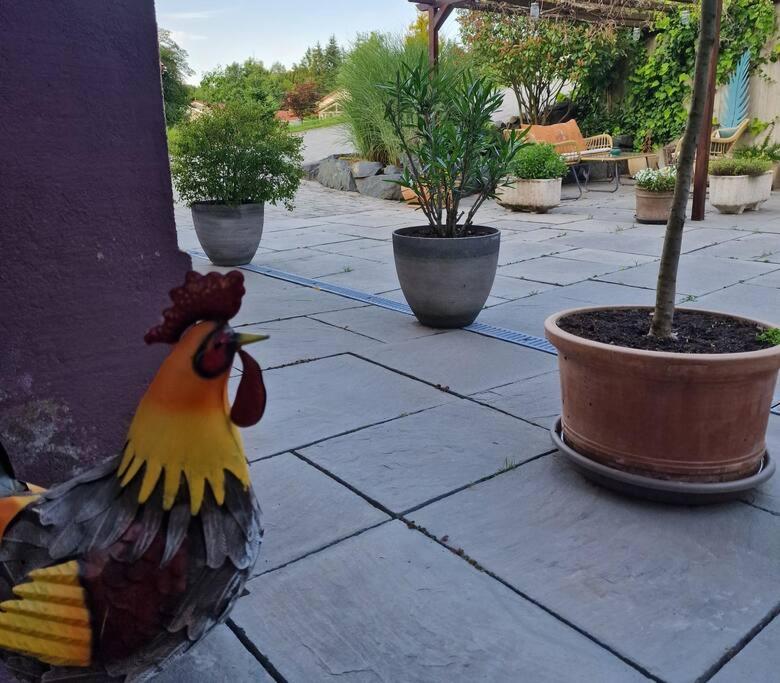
536	196
229	235
446	281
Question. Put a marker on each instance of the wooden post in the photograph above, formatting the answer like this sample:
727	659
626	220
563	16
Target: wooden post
705	134
433	37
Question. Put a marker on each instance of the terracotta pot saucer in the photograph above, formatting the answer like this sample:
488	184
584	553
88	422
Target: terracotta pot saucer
660	490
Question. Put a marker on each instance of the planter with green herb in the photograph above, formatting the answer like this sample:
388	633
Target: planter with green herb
536	176
451	151
654	194
740	183
225	165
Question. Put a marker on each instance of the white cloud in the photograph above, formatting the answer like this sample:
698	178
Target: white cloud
183	37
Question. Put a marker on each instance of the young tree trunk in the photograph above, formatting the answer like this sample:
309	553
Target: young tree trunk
666	290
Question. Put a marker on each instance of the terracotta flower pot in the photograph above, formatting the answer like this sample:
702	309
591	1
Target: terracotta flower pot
680	416
653	207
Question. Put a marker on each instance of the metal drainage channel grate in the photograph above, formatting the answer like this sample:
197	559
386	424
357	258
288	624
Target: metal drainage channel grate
511	336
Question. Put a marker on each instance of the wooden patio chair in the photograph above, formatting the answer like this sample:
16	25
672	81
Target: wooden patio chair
722	143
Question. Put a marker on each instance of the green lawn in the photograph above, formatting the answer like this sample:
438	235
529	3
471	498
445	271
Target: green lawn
311	124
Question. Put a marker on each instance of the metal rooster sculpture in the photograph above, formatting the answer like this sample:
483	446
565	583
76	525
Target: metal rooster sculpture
117	572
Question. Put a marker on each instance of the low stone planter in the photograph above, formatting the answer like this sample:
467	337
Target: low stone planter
736	194
536	196
653	207
228	234
446	280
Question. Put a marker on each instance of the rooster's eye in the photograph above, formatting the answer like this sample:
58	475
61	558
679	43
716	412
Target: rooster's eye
215	355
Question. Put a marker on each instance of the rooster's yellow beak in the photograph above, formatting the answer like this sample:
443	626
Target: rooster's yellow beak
243	339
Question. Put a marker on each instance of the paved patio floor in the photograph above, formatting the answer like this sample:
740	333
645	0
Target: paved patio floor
419	524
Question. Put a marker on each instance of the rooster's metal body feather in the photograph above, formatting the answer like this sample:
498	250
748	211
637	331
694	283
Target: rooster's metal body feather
122	569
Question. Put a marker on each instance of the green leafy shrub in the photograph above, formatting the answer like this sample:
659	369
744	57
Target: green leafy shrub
770	336
451	149
739	166
766	150
236	154
656	180
538	162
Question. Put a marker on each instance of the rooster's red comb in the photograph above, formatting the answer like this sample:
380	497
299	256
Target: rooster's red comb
201	297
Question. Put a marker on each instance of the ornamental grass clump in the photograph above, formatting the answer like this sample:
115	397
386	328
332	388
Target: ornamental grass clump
237	153
656	180
451	149
539	162
727	166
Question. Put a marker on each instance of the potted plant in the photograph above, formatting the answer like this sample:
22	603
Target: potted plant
670	404
536	177
225	165
654	194
443	122
737	184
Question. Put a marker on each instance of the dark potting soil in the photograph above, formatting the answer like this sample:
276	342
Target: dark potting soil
471	231
695	332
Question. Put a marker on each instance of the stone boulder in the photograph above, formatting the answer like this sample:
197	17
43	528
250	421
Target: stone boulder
365	169
391	169
379	187
311	170
336	174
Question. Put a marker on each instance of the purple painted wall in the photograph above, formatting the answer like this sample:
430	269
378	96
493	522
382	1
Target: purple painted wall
87	238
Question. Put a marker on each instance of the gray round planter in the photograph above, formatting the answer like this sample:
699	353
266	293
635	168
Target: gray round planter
228	234
446	281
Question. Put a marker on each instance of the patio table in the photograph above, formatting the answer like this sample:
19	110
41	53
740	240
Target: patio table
610	159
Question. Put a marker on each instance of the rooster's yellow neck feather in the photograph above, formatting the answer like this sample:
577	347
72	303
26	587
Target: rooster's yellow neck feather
182	428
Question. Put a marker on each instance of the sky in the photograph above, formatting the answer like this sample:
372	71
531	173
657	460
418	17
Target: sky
218	32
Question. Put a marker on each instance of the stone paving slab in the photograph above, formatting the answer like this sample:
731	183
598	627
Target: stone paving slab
328	397
769	280
457	360
375	279
767	496
628	241
516	250
528	314
298	339
616	258
269	299
673	588
747	300
305	237
311	264
410	461
536	399
557	270
304	510
510	288
220	658
378	323
759	662
697	274
753	247
392	605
